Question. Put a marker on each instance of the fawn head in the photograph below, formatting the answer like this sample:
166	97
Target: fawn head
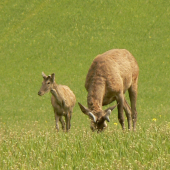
47	83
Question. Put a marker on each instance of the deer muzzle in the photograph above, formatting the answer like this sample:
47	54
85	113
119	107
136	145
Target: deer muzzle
39	93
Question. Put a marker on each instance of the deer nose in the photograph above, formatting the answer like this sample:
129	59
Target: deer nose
39	93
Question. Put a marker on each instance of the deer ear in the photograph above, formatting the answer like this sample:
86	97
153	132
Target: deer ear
110	108
84	109
43	75
53	77
92	116
106	116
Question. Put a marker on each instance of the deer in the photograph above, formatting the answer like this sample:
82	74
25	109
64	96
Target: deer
110	75
63	100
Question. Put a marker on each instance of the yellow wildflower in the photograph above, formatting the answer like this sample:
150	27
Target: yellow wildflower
154	119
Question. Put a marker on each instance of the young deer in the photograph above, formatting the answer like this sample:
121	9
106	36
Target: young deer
62	100
109	77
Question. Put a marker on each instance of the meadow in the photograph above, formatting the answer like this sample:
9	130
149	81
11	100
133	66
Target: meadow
63	37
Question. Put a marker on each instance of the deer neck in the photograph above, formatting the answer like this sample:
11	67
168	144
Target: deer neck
55	86
94	105
95	98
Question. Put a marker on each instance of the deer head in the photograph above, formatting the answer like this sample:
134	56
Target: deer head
47	84
98	120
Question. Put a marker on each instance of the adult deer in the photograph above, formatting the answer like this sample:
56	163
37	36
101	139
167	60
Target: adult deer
62	100
109	77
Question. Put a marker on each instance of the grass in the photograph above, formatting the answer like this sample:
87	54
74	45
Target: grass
64	37
42	148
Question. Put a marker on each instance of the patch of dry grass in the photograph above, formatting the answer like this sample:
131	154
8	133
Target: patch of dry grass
37	148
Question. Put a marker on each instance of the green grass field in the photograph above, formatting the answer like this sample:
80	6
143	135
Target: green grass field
64	37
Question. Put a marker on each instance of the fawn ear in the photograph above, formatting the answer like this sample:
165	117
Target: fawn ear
43	75
53	77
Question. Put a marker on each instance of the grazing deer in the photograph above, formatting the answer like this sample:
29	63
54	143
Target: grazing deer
109	77
62	100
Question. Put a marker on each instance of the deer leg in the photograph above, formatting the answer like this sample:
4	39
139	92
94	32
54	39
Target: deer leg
133	98
70	119
67	117
120	100
127	110
58	97
56	120
62	123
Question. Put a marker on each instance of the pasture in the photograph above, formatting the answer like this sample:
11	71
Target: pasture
63	37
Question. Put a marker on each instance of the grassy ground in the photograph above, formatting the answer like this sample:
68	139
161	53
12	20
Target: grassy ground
64	37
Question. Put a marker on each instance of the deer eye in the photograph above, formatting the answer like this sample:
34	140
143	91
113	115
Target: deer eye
48	83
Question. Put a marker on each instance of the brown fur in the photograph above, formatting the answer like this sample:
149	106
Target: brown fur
109	77
62	100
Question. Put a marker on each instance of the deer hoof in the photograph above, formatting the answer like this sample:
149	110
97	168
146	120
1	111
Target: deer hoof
52	91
